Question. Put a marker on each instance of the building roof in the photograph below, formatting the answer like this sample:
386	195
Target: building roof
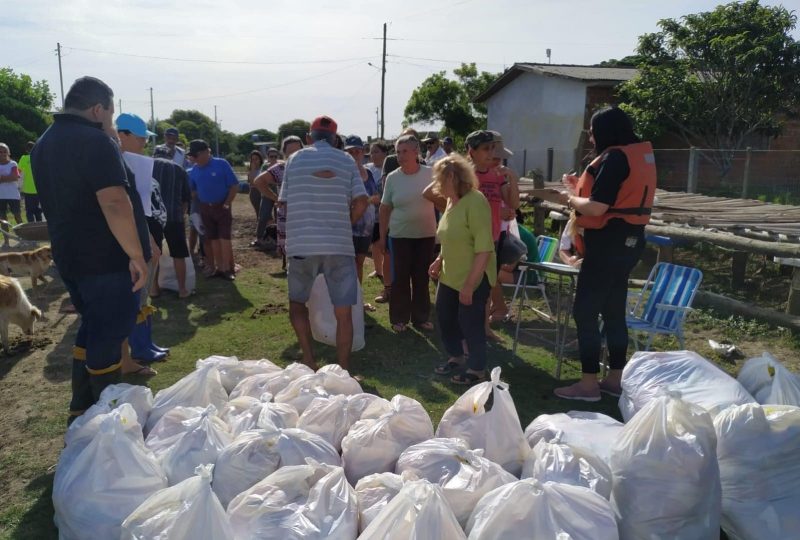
597	75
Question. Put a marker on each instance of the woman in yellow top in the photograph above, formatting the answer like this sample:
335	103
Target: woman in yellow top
466	269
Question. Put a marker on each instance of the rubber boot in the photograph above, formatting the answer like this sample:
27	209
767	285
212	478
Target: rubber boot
156	348
82	397
141	344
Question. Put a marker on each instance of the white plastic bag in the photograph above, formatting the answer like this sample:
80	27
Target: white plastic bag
300	502
758	449
332	417
532	509
232	370
96	488
698	381
593	431
329	380
496	431
200	388
374	444
140	398
557	461
170	428
257	453
323	321
272	383
187	511
666	476
418	512
277	416
463	474
86	426
374	493
770	382
167	279
205	437
243	413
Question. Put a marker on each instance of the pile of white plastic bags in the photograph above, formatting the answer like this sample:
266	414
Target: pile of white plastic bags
248	450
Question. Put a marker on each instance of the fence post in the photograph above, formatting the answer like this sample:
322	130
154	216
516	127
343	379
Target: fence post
549	164
691	182
746	178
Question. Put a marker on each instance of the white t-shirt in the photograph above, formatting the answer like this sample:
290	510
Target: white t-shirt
439	154
142	168
565	243
9	190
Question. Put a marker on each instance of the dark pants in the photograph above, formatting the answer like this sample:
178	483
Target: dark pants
611	254
410	299
264	216
33	209
458	322
255	199
108	309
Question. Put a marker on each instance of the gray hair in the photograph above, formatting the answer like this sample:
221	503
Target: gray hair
289	140
407	139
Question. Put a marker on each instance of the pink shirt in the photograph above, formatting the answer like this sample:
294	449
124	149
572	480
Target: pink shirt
490	183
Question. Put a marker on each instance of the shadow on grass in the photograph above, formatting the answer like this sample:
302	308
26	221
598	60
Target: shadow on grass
37	522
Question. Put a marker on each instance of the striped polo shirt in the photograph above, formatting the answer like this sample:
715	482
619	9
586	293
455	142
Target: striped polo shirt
318	186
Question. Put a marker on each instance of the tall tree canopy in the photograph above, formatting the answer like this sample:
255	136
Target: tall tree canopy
296	127
440	99
718	77
24	109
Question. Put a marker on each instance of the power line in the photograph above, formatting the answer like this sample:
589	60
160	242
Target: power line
446	61
206	61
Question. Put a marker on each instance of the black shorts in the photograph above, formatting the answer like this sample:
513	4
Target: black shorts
362	243
376	232
9	204
175	235
156	231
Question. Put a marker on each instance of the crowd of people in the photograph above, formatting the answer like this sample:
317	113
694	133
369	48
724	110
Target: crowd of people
420	210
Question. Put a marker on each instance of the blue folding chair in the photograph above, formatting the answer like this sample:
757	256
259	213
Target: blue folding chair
530	280
660	307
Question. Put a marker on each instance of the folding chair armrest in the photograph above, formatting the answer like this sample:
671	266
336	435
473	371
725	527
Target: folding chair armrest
668	307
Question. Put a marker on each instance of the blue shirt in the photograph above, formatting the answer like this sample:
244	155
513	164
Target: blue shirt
363	227
213	181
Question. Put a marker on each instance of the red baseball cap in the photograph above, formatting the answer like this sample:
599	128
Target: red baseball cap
324	123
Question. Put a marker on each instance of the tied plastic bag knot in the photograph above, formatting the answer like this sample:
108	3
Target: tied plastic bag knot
669	392
205	472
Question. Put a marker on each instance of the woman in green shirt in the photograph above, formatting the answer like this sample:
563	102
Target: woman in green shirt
466	269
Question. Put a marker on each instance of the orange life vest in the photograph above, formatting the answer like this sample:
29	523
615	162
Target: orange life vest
579	245
634	201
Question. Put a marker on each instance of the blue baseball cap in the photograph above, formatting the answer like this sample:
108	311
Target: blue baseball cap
134	124
353	141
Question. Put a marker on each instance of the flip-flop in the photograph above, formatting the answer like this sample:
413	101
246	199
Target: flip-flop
399	327
369	307
448	367
144	371
425	327
467	378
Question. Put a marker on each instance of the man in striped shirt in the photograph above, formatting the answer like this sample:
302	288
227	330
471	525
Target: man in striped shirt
324	195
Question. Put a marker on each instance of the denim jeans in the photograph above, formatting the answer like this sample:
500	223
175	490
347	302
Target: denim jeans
458	322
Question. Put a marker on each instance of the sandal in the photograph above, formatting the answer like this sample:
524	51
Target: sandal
399	327
369	307
448	367
467	378
143	371
425	327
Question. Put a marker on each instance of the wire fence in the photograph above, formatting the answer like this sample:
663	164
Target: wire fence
767	175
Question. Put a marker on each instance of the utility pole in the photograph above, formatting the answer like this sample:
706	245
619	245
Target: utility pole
119	110
61	74
216	133
152	112
377	123
383	80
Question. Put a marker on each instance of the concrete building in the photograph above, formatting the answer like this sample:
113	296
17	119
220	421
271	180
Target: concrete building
541	106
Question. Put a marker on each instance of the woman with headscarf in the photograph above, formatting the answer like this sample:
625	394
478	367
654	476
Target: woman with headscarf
612	200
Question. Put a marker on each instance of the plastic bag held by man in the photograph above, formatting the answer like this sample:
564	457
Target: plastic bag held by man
666	476
698	381
758	449
532	509
374	444
770	382
463	474
186	511
496	431
96	489
419	512
323	320
300	502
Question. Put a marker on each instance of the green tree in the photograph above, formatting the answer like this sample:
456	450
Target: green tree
24	106
716	78
244	142
441	99
296	127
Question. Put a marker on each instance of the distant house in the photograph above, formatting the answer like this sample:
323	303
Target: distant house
541	106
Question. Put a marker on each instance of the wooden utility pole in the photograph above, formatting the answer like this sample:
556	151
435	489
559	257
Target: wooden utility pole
383	81
216	133
152	112
61	74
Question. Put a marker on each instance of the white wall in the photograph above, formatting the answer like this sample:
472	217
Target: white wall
538	112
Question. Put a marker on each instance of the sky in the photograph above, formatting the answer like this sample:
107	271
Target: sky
268	62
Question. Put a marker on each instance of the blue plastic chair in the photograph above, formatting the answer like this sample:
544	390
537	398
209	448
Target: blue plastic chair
660	307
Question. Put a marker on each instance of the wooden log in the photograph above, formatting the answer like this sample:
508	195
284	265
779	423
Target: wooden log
777	249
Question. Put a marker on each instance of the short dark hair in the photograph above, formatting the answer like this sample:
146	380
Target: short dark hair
29	146
87	92
327	136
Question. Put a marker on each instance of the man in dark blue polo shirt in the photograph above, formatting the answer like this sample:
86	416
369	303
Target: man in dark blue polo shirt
97	231
214	185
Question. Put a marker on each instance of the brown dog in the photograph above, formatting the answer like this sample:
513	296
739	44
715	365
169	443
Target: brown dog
33	263
15	308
